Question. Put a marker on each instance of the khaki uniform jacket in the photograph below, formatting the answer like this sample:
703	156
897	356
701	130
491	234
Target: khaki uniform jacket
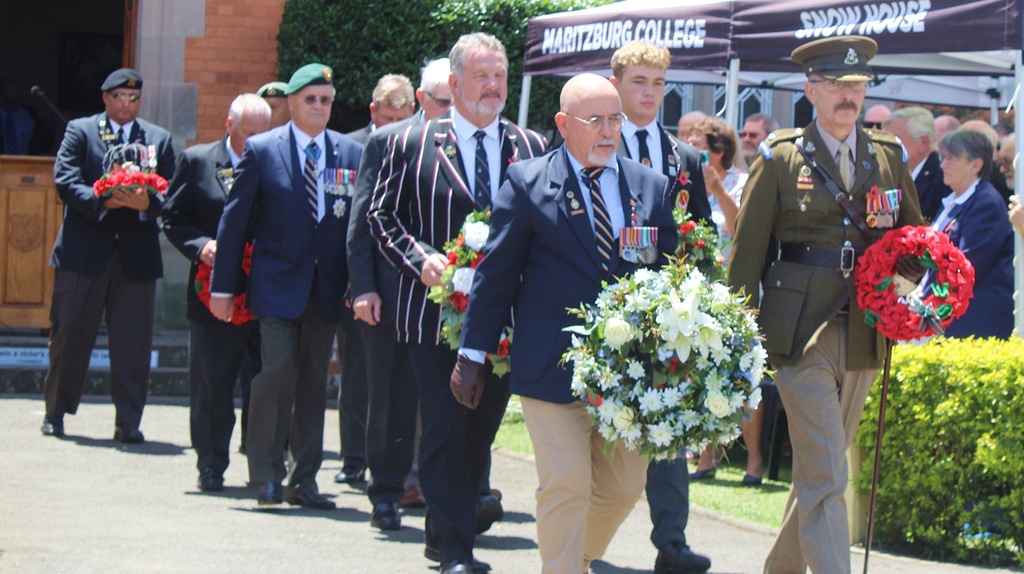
800	299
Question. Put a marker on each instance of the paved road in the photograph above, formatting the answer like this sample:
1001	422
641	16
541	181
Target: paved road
87	504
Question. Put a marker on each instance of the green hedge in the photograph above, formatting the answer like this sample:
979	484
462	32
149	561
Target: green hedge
952	471
365	40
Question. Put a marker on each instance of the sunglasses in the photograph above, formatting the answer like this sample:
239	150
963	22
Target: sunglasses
121	96
872	125
323	100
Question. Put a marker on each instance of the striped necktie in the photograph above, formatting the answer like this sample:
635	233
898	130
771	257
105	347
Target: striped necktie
602	223
309	174
482	188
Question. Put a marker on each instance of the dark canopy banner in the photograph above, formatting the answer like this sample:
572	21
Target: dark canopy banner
765	32
696	34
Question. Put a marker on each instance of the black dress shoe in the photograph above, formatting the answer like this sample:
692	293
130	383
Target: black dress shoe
129	435
52	426
488	511
478	567
385	516
674	560
211	480
308	498
702	474
270	494
351	475
456	568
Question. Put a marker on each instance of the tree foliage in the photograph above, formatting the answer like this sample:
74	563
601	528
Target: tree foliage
362	41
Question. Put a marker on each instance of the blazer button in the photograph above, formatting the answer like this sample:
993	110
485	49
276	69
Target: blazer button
778	283
803	207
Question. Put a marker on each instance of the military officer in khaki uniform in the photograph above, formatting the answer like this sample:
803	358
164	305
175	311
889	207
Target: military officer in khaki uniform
826	356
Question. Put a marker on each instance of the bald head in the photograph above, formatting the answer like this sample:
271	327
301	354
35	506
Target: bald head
687	122
876	116
590	119
984	128
945	124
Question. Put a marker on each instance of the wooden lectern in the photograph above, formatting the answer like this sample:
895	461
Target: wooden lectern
30	215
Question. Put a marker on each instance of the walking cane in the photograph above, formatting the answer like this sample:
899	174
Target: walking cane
878	450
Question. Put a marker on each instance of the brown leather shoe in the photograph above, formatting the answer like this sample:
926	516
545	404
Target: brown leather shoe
413	497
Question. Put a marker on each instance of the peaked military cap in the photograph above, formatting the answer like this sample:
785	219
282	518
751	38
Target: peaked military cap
122	78
841	58
309	75
272	90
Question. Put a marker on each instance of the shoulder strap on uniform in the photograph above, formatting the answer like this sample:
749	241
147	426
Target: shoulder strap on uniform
838	194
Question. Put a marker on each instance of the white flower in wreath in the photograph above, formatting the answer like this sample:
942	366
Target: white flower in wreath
689	419
462	279
754	399
606	412
632	434
617	333
636	370
650	402
718	405
671	397
660	434
476	235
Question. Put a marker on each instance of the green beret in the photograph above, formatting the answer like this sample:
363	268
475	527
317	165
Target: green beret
272	90
122	78
841	58
309	75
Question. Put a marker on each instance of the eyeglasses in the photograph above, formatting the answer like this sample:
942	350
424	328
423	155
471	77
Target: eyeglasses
751	135
872	125
836	86
596	123
312	100
444	103
121	96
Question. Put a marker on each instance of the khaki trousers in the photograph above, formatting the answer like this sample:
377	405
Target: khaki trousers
823	403
584	494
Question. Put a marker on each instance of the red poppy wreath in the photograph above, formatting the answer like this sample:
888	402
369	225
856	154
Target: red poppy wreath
917	314
240	314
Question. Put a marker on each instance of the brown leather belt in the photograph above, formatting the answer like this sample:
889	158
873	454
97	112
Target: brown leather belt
839	258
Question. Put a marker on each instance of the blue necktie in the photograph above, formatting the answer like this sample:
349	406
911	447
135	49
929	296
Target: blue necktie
645	152
482	189
10	136
602	223
309	174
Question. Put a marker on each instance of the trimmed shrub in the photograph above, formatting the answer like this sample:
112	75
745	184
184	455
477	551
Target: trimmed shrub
362	41
951	483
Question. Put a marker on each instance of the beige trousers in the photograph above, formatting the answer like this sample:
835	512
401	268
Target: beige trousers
823	403
584	494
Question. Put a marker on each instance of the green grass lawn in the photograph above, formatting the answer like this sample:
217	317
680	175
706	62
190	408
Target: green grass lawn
724	494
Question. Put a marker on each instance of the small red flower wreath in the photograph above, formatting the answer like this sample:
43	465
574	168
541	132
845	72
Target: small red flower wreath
908	318
131	180
204	274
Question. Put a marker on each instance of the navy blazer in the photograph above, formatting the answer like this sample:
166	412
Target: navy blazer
982	231
195	202
269	198
930	187
541	258
421	200
88	234
680	157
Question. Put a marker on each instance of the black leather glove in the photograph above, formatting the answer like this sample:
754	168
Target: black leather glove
468	382
910	268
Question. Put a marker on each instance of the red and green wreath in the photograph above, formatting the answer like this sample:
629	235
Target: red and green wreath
917	314
241	314
130	179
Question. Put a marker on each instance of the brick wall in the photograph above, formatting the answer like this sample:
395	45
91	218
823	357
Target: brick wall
236	54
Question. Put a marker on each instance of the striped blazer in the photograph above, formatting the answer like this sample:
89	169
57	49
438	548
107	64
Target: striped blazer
421	199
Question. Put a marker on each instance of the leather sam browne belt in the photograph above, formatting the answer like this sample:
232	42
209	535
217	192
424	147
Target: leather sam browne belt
841	258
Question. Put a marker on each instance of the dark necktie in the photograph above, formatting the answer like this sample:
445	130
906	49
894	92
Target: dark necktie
482	188
10	143
309	174
645	152
120	136
602	223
